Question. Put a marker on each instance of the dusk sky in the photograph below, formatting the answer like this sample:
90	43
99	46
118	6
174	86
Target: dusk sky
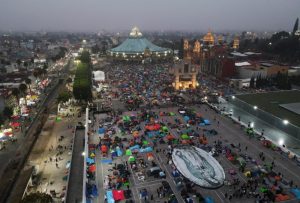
119	15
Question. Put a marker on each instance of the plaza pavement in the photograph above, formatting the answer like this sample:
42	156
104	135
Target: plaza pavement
228	133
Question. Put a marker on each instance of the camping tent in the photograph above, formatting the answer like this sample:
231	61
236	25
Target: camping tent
110	197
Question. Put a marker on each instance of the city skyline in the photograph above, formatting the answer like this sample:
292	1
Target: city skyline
95	15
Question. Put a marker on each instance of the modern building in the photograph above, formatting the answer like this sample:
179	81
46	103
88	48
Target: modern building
138	48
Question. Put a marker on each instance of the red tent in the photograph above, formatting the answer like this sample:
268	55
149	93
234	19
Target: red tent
118	195
92	168
15	124
104	148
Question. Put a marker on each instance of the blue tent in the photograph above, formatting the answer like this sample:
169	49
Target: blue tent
90	160
119	151
208	200
134	147
296	192
186	118
101	130
110	197
95	191
206	122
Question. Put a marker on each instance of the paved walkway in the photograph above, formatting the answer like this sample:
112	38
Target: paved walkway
229	133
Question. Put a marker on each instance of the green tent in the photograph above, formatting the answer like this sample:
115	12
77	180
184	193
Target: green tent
172	114
131	159
185	137
126	118
58	119
263	189
145	142
165	129
128	152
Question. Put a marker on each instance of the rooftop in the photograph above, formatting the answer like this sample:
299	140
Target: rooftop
136	43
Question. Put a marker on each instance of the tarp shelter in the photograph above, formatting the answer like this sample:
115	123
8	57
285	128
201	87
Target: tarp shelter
128	152
135	147
118	195
145	150
110	197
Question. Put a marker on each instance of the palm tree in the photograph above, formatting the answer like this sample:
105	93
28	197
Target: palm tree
28	83
23	90
16	93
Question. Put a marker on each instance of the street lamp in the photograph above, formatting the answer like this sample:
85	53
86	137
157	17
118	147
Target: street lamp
233	97
83	153
255	107
285	122
252	124
281	142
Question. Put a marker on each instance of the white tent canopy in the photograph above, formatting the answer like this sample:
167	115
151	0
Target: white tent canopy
99	75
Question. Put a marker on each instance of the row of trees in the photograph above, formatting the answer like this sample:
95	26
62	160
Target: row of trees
282	46
281	81
82	86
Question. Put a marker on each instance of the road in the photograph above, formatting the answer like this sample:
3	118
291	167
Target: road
23	148
271	132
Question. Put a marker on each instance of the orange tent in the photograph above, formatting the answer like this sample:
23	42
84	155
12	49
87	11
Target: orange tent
170	137
135	134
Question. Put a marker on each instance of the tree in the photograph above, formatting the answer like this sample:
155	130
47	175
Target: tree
8	111
85	57
251	82
45	66
28	83
16	93
64	96
23	90
296	26
18	62
95	49
37	197
69	80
